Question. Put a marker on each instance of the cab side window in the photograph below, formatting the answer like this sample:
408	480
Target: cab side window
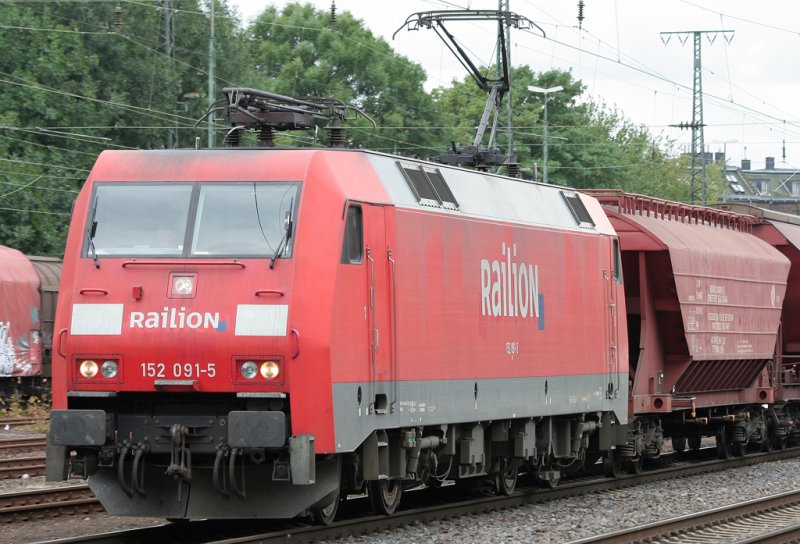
353	245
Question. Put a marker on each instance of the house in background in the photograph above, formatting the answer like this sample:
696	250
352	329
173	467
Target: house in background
772	188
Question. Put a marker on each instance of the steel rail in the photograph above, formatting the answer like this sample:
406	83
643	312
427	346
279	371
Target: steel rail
773	517
17	466
45	503
17	446
430	505
19	421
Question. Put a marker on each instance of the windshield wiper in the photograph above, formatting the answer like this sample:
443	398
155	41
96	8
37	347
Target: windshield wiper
92	232
287	233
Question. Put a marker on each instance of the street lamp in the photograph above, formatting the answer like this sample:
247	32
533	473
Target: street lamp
545	92
725	165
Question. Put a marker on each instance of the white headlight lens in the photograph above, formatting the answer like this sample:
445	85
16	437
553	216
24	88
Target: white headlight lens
249	370
109	369
182	285
270	370
88	369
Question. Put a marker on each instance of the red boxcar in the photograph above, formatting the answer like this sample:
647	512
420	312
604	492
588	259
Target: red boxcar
20	324
316	322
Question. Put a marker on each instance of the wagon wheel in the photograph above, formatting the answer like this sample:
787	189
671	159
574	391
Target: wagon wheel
766	442
694	440
612	463
679	444
779	441
506	477
385	495
324	512
723	444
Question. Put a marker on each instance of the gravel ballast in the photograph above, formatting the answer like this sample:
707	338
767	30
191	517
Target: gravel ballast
552	522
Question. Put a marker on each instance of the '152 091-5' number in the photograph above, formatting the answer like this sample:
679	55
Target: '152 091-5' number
178	370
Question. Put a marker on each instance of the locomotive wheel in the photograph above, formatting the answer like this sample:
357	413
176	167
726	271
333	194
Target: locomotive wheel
385	495
325	513
779	441
612	464
679	443
552	478
635	465
576	466
591	459
739	449
506	479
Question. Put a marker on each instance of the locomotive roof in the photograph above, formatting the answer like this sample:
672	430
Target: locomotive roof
400	181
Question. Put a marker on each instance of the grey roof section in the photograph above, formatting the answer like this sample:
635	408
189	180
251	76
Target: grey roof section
49	271
488	196
765	186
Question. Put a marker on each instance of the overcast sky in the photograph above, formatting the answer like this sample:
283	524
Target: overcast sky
751	85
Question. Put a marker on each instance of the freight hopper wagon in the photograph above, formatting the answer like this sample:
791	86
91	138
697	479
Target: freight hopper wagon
783	232
255	333
703	298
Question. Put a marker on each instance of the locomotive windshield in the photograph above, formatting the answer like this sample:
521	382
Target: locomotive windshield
191	219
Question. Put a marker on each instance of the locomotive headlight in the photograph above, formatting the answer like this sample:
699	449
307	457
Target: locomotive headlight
182	285
249	370
88	369
109	369
270	370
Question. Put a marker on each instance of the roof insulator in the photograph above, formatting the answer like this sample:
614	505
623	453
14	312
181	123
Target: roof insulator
333	13
117	17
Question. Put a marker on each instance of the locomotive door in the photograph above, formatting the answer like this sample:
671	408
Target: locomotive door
613	282
380	276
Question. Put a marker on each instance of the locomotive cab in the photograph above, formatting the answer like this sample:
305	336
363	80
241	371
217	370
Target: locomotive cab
178	343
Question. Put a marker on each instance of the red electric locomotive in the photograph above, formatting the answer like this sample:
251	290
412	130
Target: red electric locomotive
258	332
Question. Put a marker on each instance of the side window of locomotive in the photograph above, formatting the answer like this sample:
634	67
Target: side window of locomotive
353	245
617	262
429	186
579	211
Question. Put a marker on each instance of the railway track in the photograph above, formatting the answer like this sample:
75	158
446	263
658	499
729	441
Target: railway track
425	507
37	504
767	520
16	467
18	421
14	447
22	455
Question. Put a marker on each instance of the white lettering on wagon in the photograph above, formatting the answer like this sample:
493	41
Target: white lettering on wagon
510	288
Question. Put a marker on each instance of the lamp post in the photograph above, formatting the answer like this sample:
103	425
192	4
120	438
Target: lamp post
545	92
725	165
